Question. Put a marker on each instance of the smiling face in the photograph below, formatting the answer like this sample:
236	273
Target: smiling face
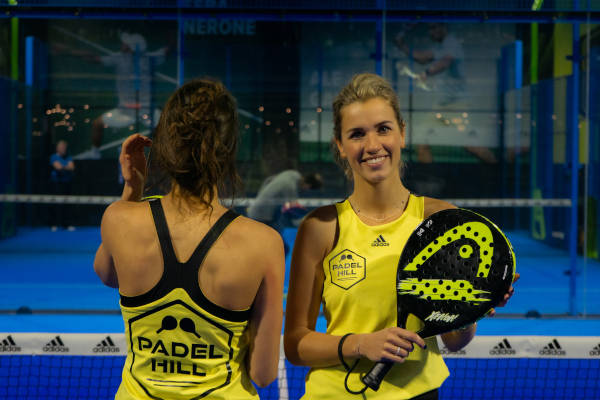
371	140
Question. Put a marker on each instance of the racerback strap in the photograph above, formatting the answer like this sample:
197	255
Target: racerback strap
185	275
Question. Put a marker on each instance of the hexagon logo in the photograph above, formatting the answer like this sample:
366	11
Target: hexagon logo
347	269
169	351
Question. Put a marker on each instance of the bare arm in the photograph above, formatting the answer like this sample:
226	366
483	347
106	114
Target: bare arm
305	346
104	265
267	315
57	165
133	167
105	268
420	56
439	66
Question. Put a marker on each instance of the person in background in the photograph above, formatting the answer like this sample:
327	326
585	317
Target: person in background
444	65
276	203
61	181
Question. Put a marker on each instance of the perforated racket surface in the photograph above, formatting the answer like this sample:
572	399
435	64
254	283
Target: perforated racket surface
455	267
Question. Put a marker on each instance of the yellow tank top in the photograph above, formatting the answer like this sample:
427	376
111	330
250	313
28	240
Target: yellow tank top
359	296
179	344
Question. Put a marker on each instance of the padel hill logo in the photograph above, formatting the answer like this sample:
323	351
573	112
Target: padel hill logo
595	352
56	345
380	241
553	349
503	348
170	352
347	268
106	346
8	345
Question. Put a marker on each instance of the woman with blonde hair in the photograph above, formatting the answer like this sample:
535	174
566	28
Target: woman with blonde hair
345	258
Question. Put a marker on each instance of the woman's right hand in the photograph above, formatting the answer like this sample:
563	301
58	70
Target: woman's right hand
390	344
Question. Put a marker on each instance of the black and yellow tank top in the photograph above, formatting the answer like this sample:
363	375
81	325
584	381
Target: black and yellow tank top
359	296
180	345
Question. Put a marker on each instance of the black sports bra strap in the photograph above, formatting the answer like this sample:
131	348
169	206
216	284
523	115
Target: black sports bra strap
210	238
163	232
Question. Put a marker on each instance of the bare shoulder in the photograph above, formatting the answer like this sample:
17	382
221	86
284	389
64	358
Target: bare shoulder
432	206
320	219
123	211
318	229
255	232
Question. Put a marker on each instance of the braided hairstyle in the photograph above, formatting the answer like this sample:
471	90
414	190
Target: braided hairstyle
195	142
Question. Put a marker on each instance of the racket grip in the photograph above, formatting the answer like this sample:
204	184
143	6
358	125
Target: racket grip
376	374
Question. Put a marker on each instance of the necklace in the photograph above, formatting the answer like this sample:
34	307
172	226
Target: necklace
394	212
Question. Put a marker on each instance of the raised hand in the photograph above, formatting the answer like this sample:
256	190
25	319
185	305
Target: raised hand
133	165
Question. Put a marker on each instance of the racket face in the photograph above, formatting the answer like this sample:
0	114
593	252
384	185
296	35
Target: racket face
454	268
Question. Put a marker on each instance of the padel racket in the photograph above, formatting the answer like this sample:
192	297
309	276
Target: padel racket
455	267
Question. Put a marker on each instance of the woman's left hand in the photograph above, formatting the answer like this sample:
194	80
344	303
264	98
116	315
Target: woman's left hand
507	296
133	164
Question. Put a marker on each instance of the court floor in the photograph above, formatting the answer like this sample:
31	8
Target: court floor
51	274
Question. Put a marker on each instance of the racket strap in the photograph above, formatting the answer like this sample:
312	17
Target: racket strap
348	368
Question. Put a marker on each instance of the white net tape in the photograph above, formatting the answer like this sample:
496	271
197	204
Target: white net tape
304	202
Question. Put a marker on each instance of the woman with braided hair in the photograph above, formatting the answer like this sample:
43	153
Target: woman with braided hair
200	298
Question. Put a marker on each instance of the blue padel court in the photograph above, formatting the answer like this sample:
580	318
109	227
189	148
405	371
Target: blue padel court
48	278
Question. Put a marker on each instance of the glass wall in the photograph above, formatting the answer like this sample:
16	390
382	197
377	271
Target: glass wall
495	107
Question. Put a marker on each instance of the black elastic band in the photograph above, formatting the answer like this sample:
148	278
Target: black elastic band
347	367
340	353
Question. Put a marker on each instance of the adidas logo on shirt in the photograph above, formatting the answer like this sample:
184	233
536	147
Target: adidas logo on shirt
553	349
595	351
503	348
380	241
56	345
106	346
8	345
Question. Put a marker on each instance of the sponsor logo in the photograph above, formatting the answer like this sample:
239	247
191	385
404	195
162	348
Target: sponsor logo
442	317
106	346
347	268
56	345
552	349
595	351
380	241
8	345
444	351
175	344
502	348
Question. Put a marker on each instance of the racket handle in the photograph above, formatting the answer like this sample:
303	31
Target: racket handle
376	374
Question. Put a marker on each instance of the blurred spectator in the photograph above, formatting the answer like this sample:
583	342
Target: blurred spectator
444	74
276	203
134	69
61	179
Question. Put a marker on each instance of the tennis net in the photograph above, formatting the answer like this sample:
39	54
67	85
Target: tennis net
88	366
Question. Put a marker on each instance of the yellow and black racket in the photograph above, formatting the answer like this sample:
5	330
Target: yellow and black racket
455	267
